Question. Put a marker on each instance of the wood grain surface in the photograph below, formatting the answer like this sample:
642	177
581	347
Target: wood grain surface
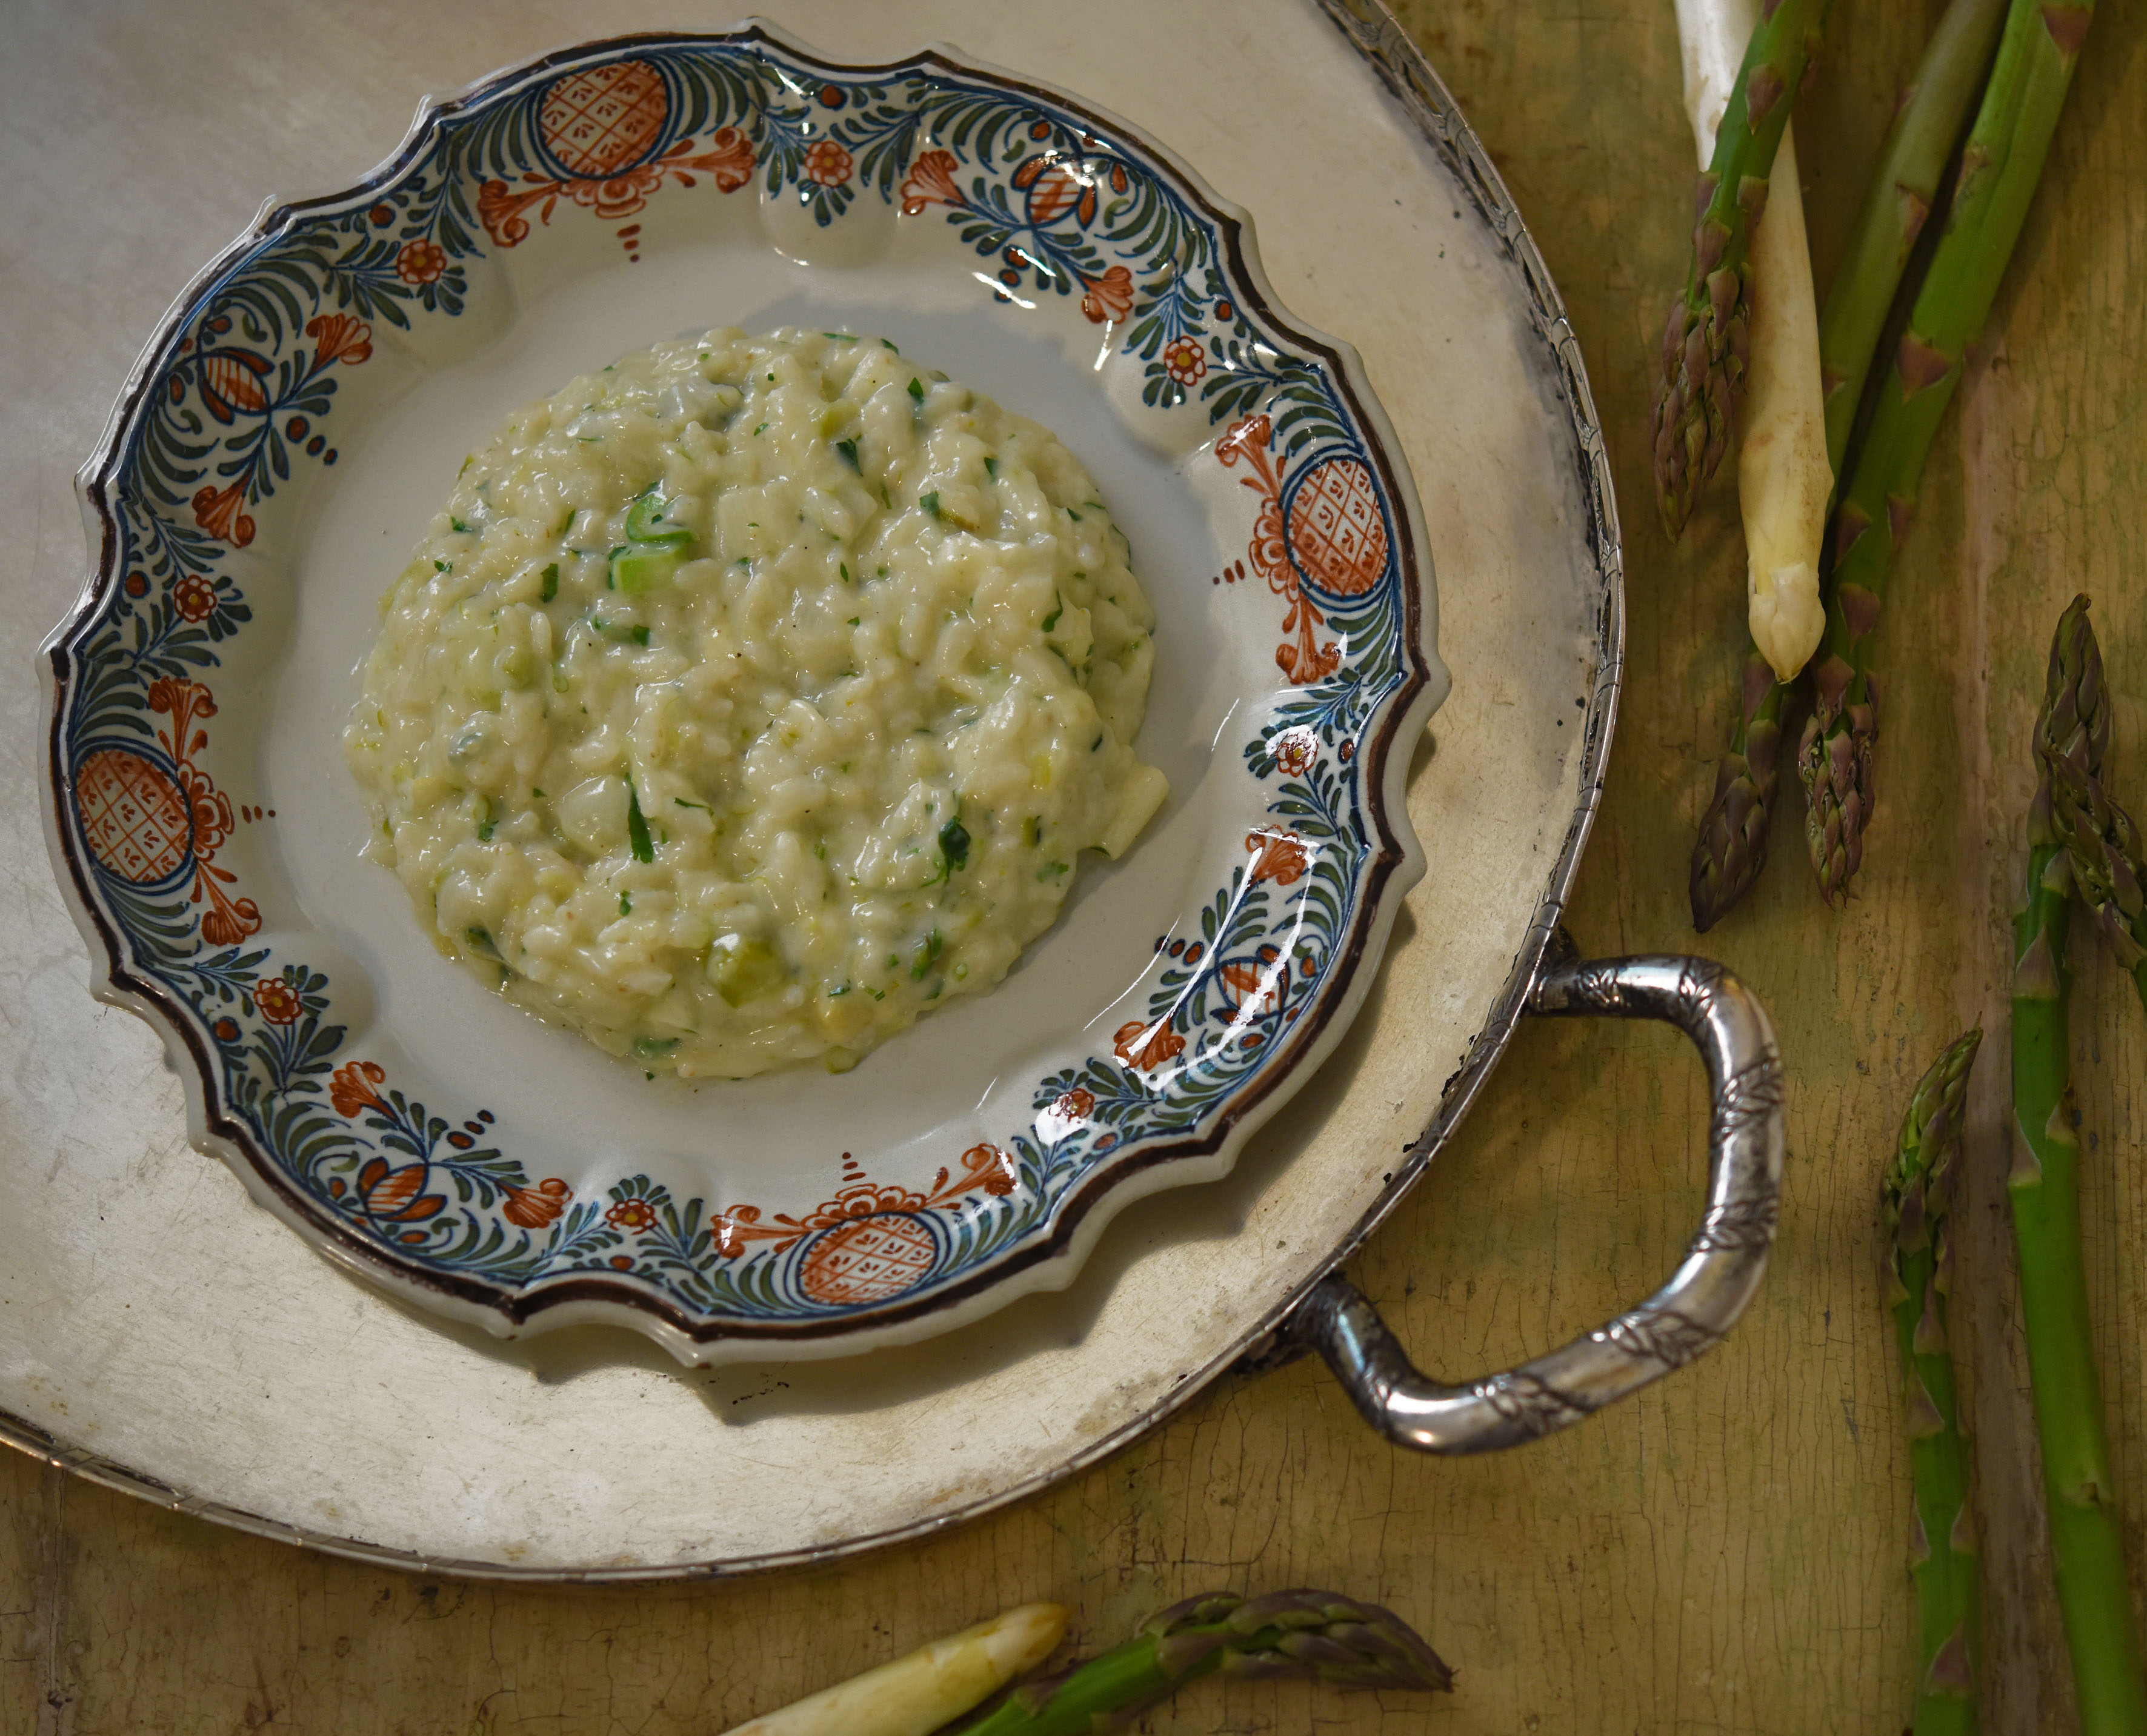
1724	1553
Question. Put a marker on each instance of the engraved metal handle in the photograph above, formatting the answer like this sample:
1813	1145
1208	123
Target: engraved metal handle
1688	1315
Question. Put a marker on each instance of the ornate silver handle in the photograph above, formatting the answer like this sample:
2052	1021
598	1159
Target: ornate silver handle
1686	1317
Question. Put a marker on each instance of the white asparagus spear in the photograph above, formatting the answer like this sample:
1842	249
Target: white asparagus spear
936	1683
1783	476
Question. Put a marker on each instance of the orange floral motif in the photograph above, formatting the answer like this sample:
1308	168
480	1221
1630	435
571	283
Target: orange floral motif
728	161
984	1167
931	182
1139	1045
633	1215
1110	297
208	808
1066	1112
194	598
1265	983
350	1088
342	338
533	1207
231	382
1053	185
827	162
276	1001
1305	659
217	511
421	262
1277	855
994	1169
1185	361
1294	751
229	920
398	1195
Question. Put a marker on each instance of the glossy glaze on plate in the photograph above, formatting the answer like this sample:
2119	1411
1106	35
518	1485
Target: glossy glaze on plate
467	1161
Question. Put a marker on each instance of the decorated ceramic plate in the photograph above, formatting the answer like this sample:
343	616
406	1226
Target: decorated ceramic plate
302	415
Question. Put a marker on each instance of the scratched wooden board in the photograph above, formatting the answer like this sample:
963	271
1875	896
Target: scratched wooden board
1725	1553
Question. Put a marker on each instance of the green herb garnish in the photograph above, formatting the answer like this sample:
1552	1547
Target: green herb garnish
954	845
923	955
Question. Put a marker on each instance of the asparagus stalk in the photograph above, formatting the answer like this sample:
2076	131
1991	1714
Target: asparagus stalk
2000	168
916	1695
1897	203
1704	344
1314	1635
2086	1546
1732	847
1918	1195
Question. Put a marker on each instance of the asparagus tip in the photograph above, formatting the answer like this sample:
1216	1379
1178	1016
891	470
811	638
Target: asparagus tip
2074	723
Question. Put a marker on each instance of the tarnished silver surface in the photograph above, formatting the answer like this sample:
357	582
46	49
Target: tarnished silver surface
271	1392
1688	1316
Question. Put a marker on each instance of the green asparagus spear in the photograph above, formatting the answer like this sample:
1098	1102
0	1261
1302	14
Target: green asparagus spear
1732	847
2000	165
1733	833
2074	724
2086	1545
1918	1195
2102	844
2104	852
1314	1635
1897	201
1695	403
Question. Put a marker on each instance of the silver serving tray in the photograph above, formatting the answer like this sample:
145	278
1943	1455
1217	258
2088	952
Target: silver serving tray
292	1402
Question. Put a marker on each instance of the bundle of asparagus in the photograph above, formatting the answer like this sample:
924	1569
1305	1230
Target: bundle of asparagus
1732	847
2001	163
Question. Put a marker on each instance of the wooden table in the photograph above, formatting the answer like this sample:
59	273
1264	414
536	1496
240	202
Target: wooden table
1727	1551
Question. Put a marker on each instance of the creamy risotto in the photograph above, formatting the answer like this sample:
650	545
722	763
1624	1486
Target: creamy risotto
754	696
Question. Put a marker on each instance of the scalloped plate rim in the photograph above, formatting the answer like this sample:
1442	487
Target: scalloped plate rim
1125	1175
